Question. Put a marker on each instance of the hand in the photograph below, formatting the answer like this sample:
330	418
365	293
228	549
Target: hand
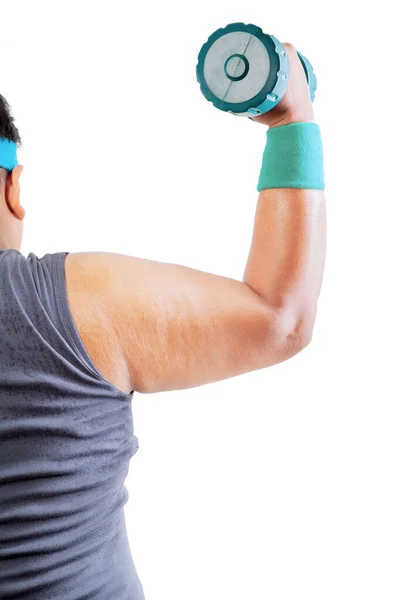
296	104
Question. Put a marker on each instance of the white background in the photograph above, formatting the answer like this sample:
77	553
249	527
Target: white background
282	483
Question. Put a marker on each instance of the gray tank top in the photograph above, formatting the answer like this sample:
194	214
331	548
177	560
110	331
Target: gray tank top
66	439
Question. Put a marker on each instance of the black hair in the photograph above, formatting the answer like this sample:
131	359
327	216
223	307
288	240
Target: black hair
8	131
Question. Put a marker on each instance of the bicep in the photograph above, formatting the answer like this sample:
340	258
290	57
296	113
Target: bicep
179	327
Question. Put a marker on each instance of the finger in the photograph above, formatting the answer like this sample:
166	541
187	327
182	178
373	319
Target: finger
291	50
294	59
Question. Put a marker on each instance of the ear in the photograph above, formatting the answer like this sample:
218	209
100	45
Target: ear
12	192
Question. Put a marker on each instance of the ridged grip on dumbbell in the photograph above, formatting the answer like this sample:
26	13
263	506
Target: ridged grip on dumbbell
282	79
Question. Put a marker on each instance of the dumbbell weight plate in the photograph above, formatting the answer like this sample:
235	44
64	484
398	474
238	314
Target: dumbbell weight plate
244	71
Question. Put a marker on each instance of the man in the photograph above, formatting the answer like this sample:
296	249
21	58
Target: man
80	332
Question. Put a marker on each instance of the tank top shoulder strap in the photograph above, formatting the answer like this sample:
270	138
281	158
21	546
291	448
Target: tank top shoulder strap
38	287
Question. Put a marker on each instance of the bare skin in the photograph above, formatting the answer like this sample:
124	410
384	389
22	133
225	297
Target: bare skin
151	326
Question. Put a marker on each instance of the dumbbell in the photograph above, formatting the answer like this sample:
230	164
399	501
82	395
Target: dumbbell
244	71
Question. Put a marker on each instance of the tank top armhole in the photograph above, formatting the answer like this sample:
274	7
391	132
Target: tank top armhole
67	320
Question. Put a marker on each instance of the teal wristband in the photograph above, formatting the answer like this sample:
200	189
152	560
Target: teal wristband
293	158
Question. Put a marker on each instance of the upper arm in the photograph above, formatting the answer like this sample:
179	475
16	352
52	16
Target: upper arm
179	327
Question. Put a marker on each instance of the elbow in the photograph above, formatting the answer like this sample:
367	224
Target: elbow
302	336
293	331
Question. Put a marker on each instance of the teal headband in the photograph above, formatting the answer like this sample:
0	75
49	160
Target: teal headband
8	154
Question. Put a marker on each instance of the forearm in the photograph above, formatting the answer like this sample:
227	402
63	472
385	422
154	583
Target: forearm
287	254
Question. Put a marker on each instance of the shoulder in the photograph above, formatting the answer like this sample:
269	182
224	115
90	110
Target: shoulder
89	295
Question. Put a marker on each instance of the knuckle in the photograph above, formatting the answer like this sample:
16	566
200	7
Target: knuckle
289	47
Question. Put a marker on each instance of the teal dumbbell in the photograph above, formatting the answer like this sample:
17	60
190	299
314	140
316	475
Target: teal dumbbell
244	71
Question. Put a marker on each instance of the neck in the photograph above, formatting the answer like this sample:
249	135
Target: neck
10	227
9	240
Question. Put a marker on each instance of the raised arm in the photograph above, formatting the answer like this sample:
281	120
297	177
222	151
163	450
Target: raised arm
287	255
178	327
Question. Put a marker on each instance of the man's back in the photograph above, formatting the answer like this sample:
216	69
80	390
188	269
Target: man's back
66	439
